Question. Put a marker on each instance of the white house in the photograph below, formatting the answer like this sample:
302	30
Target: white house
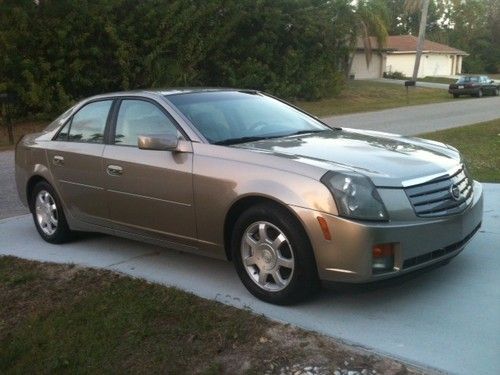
399	54
376	68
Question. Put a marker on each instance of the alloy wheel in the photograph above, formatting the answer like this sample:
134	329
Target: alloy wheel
46	212
267	256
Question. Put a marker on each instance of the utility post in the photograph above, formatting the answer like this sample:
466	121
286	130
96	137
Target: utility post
421	38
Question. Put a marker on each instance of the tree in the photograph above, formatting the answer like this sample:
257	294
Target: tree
405	16
469	25
53	53
369	18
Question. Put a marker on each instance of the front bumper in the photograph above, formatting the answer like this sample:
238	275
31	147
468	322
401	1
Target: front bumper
464	91
420	242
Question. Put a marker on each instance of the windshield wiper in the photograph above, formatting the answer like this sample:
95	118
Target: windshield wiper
310	131
233	141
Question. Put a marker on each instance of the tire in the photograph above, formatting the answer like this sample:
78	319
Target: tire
283	274
48	214
496	92
479	94
456	96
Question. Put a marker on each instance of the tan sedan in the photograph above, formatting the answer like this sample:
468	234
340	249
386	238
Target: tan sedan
240	175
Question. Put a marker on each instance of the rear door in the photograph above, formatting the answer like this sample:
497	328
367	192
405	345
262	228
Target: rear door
149	192
75	159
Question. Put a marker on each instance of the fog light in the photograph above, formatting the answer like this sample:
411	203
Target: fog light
383	257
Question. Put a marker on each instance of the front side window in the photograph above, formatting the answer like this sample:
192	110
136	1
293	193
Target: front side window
139	117
88	124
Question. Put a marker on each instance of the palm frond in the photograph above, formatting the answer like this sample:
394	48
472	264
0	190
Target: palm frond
412	6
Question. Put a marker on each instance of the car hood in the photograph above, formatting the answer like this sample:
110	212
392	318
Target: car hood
389	160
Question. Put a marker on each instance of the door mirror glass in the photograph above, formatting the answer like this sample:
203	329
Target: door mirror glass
158	142
491	81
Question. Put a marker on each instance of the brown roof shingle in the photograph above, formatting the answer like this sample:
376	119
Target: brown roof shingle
408	43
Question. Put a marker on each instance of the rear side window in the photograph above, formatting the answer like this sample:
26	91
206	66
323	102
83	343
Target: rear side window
88	124
139	117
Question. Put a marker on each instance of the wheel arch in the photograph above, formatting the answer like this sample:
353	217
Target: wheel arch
30	185
244	203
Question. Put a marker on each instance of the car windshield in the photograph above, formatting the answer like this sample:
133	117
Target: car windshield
468	79
230	117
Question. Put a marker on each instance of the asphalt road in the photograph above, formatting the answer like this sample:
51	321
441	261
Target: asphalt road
446	318
10	205
425	118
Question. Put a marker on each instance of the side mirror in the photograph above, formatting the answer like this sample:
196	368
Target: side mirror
492	81
163	142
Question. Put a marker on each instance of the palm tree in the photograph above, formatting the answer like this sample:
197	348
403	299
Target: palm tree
370	18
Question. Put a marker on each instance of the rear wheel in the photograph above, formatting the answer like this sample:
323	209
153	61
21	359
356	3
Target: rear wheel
479	94
48	214
272	255
496	92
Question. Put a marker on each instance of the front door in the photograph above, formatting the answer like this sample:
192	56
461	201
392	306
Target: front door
149	192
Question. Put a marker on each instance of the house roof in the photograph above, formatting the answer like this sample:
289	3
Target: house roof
408	44
373	41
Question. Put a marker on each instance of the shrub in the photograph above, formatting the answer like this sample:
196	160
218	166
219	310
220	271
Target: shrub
56	52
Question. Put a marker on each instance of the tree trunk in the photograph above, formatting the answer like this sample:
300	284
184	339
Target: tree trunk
349	64
7	123
10	130
421	38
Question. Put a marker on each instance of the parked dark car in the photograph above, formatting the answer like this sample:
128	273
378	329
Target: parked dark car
474	86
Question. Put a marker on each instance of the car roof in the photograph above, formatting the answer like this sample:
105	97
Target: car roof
168	91
472	75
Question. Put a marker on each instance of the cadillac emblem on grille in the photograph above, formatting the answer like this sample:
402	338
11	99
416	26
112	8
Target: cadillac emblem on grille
455	192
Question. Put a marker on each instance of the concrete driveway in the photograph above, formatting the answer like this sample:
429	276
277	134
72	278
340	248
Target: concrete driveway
425	118
446	318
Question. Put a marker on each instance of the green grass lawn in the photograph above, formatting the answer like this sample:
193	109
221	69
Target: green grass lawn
437	80
362	96
480	146
66	319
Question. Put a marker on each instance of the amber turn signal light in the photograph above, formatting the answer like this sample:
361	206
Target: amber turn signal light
383	257
324	228
383	250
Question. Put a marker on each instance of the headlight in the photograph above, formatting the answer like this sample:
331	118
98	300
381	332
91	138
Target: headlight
355	195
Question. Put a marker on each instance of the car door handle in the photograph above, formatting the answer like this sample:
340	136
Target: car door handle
58	160
115	170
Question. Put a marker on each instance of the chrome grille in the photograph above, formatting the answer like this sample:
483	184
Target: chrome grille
435	198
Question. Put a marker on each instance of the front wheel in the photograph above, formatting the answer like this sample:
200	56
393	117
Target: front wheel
496	92
479	94
456	96
48	214
272	255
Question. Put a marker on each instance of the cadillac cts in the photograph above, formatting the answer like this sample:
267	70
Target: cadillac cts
241	175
